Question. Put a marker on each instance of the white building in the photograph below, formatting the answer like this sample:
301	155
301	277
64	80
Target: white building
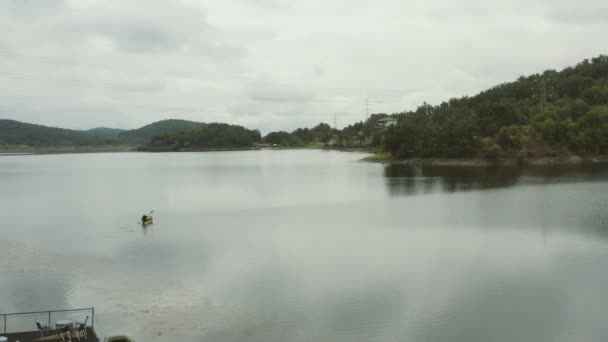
386	122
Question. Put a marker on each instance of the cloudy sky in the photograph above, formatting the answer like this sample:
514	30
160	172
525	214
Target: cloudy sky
274	64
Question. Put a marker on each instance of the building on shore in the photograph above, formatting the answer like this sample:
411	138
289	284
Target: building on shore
386	122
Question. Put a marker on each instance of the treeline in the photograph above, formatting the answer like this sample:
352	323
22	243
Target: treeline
322	133
549	114
25	134
208	136
360	134
145	134
19	133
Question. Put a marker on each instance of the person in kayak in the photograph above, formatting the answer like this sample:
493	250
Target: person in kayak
144	218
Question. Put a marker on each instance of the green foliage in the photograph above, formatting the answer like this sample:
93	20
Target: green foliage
594	125
19	133
492	116
144	134
210	136
512	119
574	85
493	152
548	129
322	133
510	137
278	138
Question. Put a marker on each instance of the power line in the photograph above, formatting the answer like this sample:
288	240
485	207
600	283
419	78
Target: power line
543	95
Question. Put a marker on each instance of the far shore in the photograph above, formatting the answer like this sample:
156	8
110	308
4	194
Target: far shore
377	158
13	150
21	150
540	161
195	149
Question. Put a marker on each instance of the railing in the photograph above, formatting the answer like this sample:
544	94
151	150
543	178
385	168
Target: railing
26	321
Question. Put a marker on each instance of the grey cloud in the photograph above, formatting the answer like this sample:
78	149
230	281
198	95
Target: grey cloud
267	4
279	94
584	13
581	16
144	29
144	39
31	8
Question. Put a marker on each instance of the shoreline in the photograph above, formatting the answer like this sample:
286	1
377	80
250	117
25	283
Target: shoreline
194	149
41	150
6	151
481	162
37	150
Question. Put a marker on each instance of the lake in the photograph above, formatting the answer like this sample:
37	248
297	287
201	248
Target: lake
306	245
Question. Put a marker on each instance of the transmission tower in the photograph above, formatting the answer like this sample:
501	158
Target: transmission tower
543	95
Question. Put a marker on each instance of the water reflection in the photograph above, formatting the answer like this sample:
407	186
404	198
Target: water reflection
423	179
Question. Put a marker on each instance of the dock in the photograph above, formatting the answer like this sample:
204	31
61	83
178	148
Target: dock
22	326
33	336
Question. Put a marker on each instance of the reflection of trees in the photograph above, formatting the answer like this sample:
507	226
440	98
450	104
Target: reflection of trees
575	200
410	180
407	180
416	179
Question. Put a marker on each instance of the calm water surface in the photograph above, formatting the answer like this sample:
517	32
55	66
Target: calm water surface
306	246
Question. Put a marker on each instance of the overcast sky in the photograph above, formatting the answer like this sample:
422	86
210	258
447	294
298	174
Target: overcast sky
271	64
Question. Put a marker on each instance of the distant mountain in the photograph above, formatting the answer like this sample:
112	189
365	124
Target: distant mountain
104	133
145	134
20	133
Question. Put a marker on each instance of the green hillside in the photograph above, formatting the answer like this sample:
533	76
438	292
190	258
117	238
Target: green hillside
210	136
19	133
144	134
548	114
555	113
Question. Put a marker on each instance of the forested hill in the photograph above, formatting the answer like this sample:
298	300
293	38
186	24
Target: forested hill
19	133
145	134
208	137
549	114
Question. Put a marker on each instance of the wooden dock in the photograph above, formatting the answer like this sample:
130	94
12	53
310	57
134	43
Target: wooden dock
31	336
